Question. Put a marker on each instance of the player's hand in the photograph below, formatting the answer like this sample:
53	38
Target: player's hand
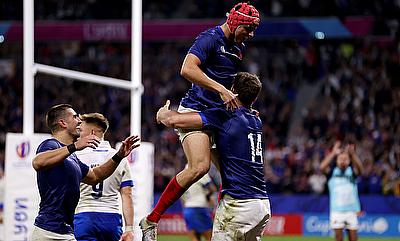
336	148
88	141
230	99
161	113
351	149
128	145
256	112
127	236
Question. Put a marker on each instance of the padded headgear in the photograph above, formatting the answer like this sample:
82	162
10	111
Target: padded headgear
242	14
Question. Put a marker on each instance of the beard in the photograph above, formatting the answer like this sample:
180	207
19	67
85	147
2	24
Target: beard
75	134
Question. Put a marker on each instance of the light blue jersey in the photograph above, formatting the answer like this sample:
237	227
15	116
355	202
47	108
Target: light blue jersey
343	192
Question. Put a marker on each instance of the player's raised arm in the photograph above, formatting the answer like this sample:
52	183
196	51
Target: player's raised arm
48	159
191	71
171	118
328	158
51	158
103	171
355	160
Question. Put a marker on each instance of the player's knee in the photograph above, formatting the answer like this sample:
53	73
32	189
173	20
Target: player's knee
200	170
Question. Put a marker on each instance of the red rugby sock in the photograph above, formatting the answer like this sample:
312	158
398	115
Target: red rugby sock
171	193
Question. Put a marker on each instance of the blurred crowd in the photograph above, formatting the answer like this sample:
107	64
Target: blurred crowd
385	12
358	102
156	9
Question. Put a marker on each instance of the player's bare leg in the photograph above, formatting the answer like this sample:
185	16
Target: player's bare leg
207	235
194	236
338	234
197	150
352	235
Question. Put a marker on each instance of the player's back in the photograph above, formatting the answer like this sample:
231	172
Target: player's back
239	141
103	197
241	149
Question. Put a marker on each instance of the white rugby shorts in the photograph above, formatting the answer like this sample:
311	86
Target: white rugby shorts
346	220
240	219
40	234
183	133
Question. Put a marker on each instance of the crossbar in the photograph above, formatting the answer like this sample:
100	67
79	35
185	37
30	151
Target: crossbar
86	77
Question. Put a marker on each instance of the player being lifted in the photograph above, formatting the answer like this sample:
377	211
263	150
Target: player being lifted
211	64
244	208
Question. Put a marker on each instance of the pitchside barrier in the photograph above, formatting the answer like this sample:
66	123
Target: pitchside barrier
308	215
22	196
372	225
307	224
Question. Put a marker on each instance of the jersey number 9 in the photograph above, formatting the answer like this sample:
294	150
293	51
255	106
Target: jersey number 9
97	190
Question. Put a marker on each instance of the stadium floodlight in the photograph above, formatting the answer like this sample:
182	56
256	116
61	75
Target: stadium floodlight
31	68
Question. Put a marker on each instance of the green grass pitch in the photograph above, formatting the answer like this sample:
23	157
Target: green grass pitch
279	238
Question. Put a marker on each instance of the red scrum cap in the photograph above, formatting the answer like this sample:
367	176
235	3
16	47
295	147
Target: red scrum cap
242	14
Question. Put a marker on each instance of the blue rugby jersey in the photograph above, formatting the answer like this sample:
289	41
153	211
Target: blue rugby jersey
59	191
240	143
220	60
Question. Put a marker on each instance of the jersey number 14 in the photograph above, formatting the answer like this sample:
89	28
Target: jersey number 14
255	147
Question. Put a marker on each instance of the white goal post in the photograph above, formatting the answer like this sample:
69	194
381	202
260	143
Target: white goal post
21	194
31	68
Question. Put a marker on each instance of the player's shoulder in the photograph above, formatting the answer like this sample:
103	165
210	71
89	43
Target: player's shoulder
219	112
250	117
212	33
49	144
105	146
51	141
247	113
104	150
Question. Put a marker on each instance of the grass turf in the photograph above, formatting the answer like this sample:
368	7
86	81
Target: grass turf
279	238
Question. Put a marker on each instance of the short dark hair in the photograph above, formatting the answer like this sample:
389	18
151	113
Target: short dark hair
54	114
247	86
96	119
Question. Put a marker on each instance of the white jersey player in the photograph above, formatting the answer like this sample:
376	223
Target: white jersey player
196	208
97	216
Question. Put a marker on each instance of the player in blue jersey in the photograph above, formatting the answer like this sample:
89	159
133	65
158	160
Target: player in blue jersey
97	216
244	208
210	65
343	193
59	172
